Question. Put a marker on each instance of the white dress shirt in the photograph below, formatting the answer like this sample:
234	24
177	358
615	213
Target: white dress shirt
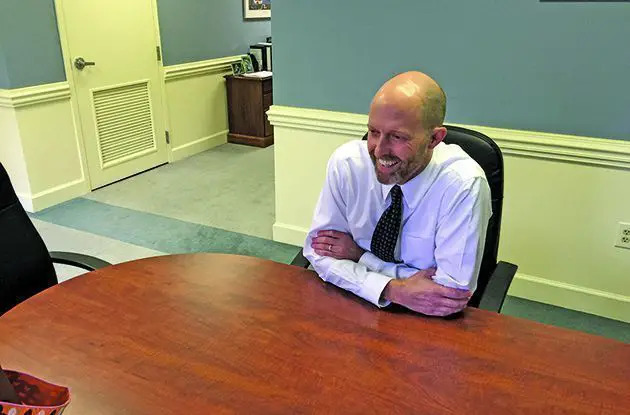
445	215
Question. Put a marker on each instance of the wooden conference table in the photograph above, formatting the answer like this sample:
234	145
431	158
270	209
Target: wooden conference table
210	334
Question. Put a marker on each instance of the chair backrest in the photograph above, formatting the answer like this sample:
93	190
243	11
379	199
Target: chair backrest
7	392
25	264
487	154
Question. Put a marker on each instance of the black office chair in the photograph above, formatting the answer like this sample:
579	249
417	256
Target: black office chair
494	278
26	266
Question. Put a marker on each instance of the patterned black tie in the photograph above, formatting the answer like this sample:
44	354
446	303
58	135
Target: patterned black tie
386	231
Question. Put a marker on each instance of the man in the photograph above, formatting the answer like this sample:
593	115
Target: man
402	218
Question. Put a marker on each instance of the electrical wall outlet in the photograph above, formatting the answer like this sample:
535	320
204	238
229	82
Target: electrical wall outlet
623	235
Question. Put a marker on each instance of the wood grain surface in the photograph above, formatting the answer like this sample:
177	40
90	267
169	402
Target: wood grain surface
222	334
248	102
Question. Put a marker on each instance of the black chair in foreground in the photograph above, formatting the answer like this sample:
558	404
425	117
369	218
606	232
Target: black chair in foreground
26	266
494	277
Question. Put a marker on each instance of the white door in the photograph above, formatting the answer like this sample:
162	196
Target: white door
113	48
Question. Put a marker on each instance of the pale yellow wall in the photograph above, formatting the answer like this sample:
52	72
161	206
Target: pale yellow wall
559	224
11	154
300	167
40	146
196	104
51	148
196	107
559	219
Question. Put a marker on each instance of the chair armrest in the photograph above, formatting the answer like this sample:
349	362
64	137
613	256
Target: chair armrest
86	262
497	287
300	260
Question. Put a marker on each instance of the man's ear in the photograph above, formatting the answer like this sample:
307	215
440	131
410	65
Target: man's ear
437	136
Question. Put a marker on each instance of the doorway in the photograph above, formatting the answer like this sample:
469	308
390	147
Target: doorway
113	62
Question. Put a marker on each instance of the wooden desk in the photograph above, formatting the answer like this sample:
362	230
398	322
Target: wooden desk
249	100
209	333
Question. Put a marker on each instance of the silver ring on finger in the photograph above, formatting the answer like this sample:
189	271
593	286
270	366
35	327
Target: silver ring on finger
330	248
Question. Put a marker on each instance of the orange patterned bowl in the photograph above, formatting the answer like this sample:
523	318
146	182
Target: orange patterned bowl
37	396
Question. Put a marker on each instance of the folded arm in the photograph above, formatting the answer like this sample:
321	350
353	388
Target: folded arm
334	266
416	290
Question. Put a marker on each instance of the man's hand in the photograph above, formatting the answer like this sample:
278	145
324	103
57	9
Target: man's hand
420	293
337	245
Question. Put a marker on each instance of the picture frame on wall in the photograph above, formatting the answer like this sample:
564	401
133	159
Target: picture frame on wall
256	9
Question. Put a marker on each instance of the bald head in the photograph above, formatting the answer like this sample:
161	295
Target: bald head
417	92
404	126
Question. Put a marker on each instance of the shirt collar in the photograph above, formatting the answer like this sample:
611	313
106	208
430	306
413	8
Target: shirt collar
414	189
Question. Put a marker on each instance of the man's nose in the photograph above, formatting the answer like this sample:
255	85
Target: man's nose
382	146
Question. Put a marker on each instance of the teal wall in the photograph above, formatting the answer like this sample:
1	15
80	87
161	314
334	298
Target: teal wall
194	30
191	30
29	43
556	67
4	79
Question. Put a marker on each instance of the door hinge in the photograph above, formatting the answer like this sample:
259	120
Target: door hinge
168	137
159	53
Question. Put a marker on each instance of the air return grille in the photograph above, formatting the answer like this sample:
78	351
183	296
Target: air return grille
124	122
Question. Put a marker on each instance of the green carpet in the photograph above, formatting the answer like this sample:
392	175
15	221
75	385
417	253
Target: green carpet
160	233
562	317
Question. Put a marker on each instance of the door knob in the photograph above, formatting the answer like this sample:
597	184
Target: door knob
80	63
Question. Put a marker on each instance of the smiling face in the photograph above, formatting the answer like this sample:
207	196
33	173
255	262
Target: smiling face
405	125
400	142
397	143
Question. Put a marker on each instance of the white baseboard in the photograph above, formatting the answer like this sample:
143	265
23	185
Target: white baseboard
571	296
197	146
27	202
289	234
53	196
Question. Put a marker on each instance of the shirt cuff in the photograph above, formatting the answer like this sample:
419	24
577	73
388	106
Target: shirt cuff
372	288
371	261
446	280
